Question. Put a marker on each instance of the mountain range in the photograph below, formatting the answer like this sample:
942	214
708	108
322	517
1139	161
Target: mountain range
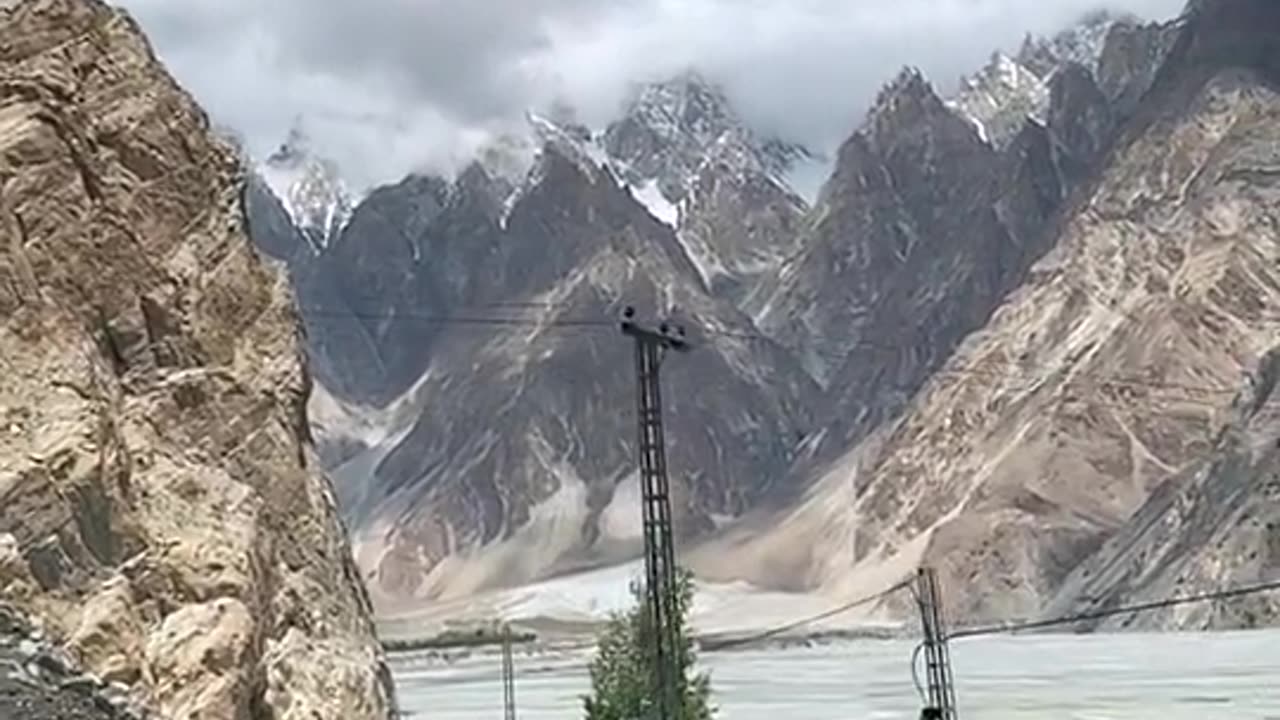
1017	330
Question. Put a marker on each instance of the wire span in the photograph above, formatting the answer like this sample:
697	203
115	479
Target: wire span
1112	612
756	637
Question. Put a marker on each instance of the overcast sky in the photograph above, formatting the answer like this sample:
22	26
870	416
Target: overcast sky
389	86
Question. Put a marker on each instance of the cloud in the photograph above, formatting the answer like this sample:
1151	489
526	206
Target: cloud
388	86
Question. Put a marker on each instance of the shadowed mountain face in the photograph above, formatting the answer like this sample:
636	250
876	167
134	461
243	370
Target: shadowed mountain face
942	360
408	254
518	463
522	437
918	237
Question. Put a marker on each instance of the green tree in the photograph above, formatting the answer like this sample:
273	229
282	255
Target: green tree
622	683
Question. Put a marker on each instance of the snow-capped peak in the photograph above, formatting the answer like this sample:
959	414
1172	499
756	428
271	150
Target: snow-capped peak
685	109
1082	44
310	188
1004	94
668	134
670	129
514	158
574	141
999	98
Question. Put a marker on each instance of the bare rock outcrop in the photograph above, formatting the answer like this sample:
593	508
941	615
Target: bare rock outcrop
39	680
1214	527
160	514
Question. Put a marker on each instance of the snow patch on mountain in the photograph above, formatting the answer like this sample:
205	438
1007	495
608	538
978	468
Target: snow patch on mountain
658	205
1000	98
704	258
671	129
1081	44
310	188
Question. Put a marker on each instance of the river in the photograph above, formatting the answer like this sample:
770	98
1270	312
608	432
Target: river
1085	677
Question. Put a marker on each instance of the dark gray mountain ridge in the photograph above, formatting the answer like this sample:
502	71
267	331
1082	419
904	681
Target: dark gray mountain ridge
920	234
543	409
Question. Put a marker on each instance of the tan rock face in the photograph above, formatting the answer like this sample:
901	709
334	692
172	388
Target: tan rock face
1215	526
200	660
110	634
159	511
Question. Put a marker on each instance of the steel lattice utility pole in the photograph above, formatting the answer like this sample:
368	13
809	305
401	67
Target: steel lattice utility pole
508	677
942	694
659	553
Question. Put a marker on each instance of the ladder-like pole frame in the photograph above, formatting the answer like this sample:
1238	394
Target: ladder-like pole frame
659	547
508	676
941	696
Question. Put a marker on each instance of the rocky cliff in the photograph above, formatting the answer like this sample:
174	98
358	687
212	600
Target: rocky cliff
161	516
919	234
1215	525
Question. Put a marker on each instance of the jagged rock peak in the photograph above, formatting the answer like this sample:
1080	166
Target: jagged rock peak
1081	43
910	84
310	187
904	100
668	128
1008	91
693	105
685	104
999	98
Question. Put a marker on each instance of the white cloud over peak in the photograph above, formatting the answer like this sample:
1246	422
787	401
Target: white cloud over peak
389	86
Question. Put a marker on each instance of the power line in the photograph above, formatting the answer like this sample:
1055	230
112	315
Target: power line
1030	381
735	642
459	319
553	667
993	373
1111	612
